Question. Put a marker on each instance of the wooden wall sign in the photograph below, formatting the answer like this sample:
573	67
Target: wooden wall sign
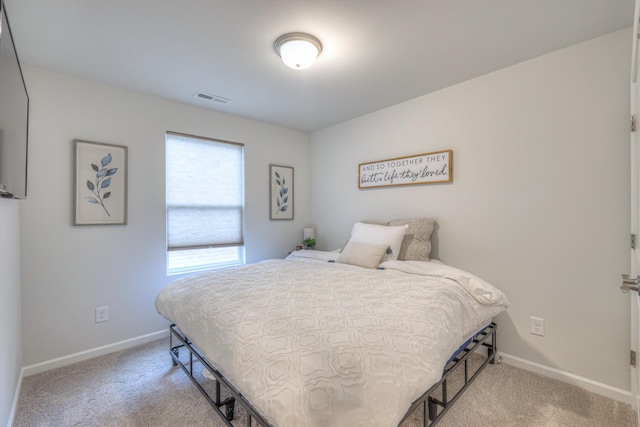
428	168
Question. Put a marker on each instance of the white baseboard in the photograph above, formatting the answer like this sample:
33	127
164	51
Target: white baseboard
90	354
16	395
605	390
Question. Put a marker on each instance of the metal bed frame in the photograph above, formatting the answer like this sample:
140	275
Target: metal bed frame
435	401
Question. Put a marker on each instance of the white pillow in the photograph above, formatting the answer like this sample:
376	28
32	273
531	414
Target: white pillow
375	234
362	254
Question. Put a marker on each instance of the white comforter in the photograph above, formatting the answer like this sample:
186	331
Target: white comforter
315	343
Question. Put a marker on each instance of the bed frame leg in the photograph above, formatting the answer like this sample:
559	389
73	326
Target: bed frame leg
433	409
176	353
229	407
492	350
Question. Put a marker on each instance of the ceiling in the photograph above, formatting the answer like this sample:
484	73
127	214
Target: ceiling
376	53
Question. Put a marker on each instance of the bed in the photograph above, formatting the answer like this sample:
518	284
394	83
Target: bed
333	339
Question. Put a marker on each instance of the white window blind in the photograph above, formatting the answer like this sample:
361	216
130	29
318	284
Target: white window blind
205	200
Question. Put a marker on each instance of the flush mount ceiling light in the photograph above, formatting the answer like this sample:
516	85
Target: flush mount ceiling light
298	50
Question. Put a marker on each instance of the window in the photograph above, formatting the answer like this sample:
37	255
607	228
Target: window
205	203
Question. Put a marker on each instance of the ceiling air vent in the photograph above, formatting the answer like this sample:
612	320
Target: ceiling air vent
212	98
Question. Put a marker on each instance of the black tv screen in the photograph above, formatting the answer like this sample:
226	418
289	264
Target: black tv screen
14	116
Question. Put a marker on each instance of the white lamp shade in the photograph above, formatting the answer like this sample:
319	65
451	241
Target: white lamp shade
309	233
298	54
298	50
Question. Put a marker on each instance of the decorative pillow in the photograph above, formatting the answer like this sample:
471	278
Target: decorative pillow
416	245
362	254
380	235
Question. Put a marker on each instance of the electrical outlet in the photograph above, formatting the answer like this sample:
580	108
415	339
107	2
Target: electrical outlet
102	314
536	326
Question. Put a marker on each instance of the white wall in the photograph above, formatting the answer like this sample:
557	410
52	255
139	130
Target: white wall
539	203
69	271
11	337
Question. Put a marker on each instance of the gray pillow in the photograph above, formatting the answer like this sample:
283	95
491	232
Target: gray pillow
416	245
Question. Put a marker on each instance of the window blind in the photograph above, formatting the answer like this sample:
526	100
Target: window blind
205	194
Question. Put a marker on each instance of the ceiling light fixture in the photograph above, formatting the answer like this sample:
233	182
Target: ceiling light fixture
298	50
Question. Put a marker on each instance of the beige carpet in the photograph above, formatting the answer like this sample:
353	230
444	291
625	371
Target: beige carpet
140	387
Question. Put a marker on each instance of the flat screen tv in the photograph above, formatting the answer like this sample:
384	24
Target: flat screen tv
14	116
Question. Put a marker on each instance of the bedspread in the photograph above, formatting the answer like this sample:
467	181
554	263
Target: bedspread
315	343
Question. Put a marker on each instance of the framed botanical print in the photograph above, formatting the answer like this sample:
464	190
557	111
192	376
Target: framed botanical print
281	187
100	180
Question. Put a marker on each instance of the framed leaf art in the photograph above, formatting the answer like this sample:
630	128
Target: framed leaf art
281	186
100	177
